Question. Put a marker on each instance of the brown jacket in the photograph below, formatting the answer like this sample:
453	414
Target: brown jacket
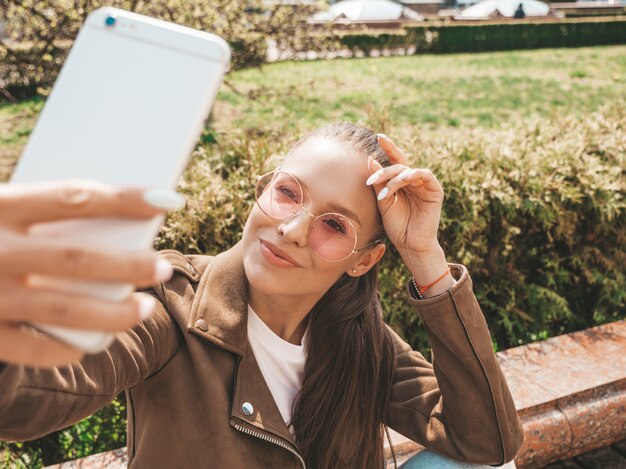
188	370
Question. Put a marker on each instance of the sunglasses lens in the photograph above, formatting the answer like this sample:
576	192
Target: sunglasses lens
332	237
278	195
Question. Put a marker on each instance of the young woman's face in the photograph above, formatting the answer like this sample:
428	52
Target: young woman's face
333	180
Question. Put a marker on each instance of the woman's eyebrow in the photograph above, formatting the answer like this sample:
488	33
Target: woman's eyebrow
335	207
344	211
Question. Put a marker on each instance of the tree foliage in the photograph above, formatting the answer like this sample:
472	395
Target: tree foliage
39	34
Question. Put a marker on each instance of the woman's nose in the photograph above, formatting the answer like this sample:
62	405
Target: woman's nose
295	229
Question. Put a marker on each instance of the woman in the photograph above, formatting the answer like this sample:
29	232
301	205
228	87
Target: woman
274	353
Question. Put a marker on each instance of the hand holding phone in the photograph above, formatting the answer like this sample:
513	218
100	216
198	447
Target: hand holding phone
22	206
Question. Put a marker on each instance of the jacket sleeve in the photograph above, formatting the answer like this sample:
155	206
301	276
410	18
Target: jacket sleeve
460	405
35	402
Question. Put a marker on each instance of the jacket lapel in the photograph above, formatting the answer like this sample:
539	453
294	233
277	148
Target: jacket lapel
222	303
251	389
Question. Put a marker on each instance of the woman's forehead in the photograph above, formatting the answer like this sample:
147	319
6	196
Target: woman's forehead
321	155
333	173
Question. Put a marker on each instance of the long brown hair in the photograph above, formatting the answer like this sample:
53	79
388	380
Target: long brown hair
337	415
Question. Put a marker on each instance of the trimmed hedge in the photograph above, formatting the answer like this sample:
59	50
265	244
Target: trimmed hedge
508	36
536	212
478	37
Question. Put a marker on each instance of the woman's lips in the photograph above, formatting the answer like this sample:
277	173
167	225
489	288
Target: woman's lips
273	258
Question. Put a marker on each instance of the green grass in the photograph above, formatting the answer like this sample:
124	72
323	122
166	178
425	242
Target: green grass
486	90
16	124
431	93
434	92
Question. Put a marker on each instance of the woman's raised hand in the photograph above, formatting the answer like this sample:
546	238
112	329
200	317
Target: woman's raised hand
23	255
411	221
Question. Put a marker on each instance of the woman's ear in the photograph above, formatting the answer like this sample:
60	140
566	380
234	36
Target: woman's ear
369	260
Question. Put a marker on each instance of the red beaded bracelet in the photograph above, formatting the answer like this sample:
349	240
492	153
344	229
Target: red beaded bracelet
419	290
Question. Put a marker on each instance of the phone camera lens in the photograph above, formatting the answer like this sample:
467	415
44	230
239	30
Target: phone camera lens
110	21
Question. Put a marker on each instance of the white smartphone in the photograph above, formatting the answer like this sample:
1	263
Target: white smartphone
126	109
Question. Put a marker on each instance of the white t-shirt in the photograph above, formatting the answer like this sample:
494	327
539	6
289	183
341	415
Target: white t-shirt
281	362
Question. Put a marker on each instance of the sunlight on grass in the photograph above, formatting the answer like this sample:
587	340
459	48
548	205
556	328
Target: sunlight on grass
456	90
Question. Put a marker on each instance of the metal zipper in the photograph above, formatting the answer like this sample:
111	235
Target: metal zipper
271	440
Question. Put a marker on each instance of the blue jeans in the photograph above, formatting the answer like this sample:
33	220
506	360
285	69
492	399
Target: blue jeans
426	459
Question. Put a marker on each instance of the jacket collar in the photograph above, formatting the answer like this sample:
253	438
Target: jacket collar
221	302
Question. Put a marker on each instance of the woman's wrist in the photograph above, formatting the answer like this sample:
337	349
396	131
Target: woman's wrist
428	267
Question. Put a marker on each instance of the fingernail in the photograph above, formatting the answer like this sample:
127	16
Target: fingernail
382	194
372	179
147	304
163	270
383	136
164	198
405	174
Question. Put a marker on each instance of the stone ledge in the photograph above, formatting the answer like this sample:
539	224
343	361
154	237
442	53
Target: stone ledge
115	459
569	390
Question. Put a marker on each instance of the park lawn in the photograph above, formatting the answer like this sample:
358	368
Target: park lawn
16	123
486	90
427	92
397	95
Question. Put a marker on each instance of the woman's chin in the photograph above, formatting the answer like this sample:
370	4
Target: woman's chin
264	277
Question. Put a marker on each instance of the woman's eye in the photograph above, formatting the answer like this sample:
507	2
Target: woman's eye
335	225
288	192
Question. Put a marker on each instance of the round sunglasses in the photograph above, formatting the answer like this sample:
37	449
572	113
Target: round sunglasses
332	235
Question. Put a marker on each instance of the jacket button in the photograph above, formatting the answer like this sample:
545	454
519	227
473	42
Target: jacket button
202	325
247	408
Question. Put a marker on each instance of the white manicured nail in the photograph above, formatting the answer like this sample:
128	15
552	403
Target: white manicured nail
372	179
164	198
147	304
383	136
382	194
405	174
163	270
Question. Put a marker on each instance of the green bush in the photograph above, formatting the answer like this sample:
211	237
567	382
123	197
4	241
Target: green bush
102	431
537	213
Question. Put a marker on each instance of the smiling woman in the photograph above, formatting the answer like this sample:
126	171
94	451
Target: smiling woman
275	351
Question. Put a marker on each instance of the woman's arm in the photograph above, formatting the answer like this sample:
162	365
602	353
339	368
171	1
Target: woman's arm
460	405
35	401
